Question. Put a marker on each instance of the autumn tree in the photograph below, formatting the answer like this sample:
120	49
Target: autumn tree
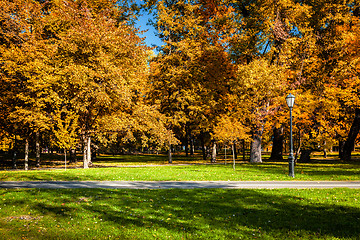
258	89
99	65
21	69
303	37
191	72
82	58
231	129
64	130
345	91
318	59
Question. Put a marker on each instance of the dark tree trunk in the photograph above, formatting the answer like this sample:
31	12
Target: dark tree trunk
353	133
305	156
255	149
235	151
341	149
94	154
225	148
65	157
213	155
204	152
37	143
186	142
203	147
278	143
73	155
244	149
191	145
170	154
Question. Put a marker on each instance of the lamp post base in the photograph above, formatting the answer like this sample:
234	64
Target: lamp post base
291	166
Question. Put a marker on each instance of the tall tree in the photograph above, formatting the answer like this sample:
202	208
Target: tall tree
82	56
257	89
191	72
21	69
105	61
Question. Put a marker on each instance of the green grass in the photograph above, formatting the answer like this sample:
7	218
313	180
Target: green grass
244	171
179	214
182	214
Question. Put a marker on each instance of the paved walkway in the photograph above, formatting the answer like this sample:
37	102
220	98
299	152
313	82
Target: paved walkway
181	185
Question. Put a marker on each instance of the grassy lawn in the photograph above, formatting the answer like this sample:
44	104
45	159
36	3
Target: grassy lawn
244	171
179	214
182	214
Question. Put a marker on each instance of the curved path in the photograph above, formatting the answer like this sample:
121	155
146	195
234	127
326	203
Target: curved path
181	185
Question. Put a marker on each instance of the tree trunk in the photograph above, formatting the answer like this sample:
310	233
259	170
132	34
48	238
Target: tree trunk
225	155
305	156
65	157
233	153
255	149
244	150
353	133
192	150
203	147
186	142
26	154
213	155
87	151
73	155
94	154
170	154
14	155
278	142
37	143
341	149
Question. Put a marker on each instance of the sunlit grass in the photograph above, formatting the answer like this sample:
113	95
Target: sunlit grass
179	214
244	172
152	167
182	214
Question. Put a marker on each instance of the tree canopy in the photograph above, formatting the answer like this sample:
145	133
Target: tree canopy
78	70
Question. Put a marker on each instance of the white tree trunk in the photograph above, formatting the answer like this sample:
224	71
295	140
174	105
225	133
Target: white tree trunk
213	155
26	154
87	151
37	140
255	151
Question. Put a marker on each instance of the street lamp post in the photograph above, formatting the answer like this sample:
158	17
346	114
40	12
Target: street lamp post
290	100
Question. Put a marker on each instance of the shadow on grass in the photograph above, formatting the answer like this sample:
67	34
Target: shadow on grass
209	213
48	160
145	158
317	171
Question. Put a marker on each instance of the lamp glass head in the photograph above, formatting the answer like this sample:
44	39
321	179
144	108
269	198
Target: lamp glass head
290	100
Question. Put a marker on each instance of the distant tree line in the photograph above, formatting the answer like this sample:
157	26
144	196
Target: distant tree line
75	73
